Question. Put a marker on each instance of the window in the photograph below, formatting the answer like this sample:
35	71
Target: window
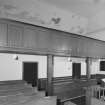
102	65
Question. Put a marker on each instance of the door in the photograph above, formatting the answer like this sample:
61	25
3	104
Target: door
76	70
30	72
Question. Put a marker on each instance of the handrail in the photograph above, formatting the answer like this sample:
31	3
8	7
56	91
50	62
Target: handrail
95	91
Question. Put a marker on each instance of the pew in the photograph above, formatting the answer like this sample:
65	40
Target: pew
21	93
28	100
66	90
14	87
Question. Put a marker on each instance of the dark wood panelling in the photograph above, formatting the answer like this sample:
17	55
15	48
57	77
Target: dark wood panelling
62	42
67	90
100	76
62	79
15	35
42	83
42	40
3	34
12	82
96	48
30	37
82	48
37	38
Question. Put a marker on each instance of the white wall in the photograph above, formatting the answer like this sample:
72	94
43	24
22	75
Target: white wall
11	69
83	68
95	67
64	68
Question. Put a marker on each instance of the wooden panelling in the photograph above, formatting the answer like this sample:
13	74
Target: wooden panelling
3	34
100	76
42	40
82	47
62	42
67	90
42	83
62	79
95	48
12	82
30	37
15	35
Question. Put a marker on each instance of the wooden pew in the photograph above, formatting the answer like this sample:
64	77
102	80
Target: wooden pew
14	87
42	81
27	100
66	90
72	90
20	93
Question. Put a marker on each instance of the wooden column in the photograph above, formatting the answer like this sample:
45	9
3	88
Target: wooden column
88	72
88	67
49	85
88	96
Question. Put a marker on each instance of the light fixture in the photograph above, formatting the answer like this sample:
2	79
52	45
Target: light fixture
15	57
68	59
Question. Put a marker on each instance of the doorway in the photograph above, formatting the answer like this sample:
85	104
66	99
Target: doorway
76	70
30	72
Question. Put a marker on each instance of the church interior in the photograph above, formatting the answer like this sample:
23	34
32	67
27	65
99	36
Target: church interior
52	52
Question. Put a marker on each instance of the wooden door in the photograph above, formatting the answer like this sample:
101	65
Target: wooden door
76	70
30	72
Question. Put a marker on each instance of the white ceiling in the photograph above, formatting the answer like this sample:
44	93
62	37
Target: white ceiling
94	10
86	16
87	8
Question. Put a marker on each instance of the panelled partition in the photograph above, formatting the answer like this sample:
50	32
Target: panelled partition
26	38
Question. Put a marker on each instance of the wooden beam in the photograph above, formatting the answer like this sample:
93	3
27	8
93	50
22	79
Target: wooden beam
88	67
49	86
